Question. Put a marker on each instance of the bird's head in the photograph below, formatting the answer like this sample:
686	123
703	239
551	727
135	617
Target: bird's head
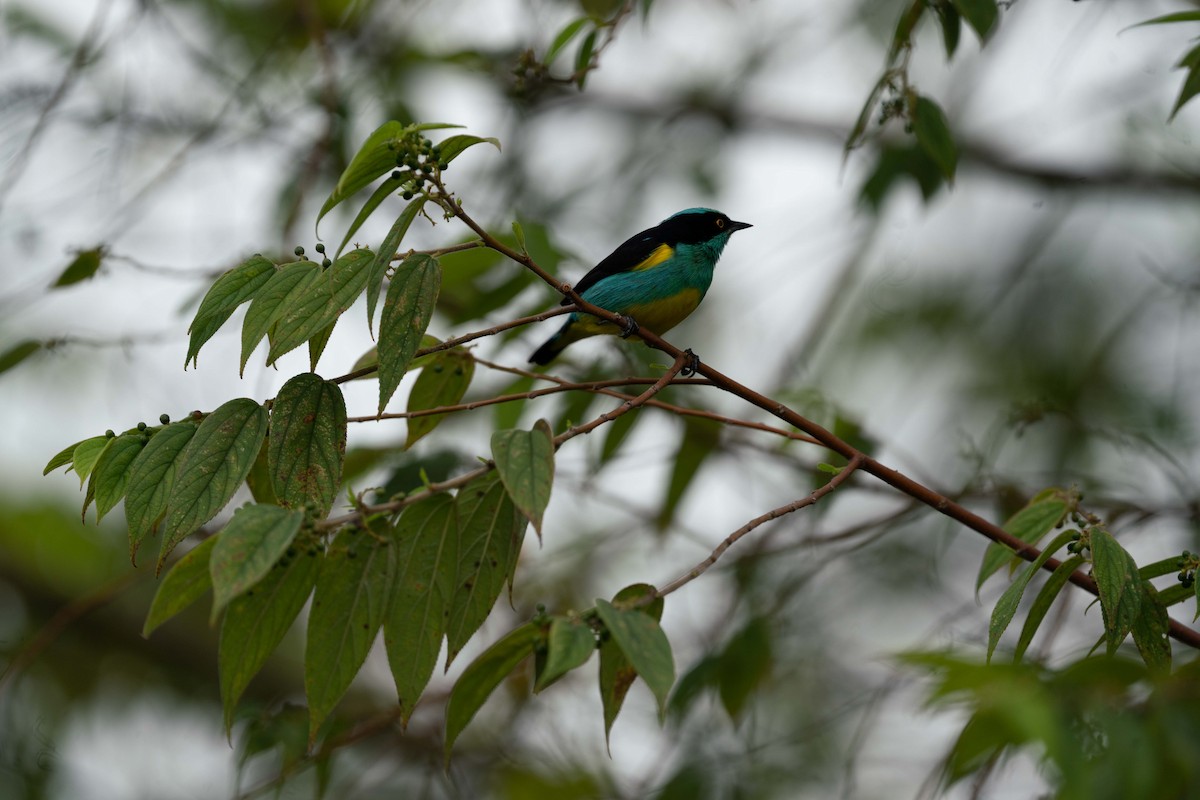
700	226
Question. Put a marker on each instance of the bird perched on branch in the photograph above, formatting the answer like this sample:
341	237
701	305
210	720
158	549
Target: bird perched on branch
655	279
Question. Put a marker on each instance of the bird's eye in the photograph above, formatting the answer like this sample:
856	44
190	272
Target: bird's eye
720	223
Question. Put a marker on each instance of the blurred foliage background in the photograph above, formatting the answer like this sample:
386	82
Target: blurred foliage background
1032	325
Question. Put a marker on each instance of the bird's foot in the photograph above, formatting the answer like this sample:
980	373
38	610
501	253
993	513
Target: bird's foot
629	327
692	365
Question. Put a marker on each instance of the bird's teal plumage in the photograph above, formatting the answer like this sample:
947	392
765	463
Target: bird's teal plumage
658	277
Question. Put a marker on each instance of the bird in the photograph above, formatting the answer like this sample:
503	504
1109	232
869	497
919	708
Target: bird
656	278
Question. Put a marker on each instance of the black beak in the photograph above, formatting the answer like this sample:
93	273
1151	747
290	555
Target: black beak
737	226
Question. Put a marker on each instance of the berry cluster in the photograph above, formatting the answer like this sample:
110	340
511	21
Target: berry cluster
1187	564
421	157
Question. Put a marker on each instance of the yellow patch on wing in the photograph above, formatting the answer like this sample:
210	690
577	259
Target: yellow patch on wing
656	257
662	315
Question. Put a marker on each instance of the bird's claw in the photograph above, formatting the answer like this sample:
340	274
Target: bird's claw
692	365
629	327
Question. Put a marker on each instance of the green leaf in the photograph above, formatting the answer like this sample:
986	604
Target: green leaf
700	440
407	310
951	22
490	533
616	672
307	446
1006	606
563	39
743	666
1120	587
1030	524
211	468
1151	630
484	674
981	15
644	644
376	156
426	566
85	265
386	252
185	583
1041	604
571	644
18	353
64	456
443	382
348	608
151	477
112	470
453	146
1178	16
525	462
287	286
230	290
898	162
256	622
253	541
380	194
1166	566
323	301
1191	84
83	456
583	59
933	134
316	345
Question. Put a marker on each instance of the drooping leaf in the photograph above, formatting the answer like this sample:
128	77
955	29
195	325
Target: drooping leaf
307	446
85	265
895	163
86	454
1191	83
385	254
484	674
316	345
324	300
951	22
65	456
564	38
376	156
933	134
111	472
18	353
744	664
1151	630
254	540
1120	587
525	462
185	583
1006	606
256	621
452	147
348	608
151	477
397	179
645	645
617	673
289	283
232	289
407	310
981	15
491	531
211	467
1040	516
258	480
426	565
570	645
1041	604
583	59
443	381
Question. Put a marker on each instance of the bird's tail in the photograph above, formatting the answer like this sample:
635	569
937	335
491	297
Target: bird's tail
550	348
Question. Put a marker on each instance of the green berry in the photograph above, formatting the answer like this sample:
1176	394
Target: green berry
165	419
320	247
141	426
407	195
396	174
325	262
108	434
299	250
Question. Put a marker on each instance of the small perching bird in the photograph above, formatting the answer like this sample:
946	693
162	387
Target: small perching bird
656	279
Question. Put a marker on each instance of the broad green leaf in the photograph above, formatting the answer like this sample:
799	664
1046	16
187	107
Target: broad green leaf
564	38
979	14
583	59
1041	604
376	156
644	644
289	283
63	457
1030	524
211	468
18	353
256	622
230	290
490	533
1116	577
1166	566
525	462
86	454
1006	606
381	193
895	163
150	479
111	472
426	565
386	252
348	608
185	583
699	441
453	146
307	446
616	672
933	134
484	674
1191	84
323	301
407	309
1151	630
443	381
571	644
82	267
254	540
951	22
743	666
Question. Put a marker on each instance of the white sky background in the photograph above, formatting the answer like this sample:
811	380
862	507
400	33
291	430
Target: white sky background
1061	85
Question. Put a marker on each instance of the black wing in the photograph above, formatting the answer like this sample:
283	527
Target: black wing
632	252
